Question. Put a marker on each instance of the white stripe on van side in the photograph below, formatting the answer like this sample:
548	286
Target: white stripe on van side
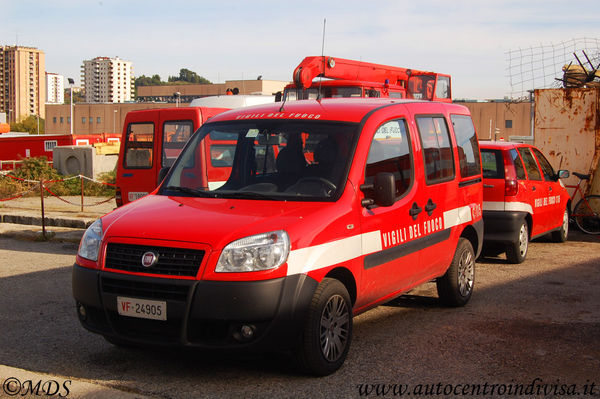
304	260
457	216
315	257
507	206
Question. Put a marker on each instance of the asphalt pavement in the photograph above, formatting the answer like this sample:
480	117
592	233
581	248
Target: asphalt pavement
64	219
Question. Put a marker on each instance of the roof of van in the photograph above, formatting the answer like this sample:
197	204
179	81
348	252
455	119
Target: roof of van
339	109
237	101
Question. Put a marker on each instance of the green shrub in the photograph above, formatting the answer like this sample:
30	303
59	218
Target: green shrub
38	169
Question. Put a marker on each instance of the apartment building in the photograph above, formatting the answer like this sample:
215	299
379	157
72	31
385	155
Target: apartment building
22	82
55	88
107	80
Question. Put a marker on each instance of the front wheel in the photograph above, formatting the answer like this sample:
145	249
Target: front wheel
327	330
456	286
587	214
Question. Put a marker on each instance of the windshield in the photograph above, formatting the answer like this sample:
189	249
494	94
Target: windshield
265	159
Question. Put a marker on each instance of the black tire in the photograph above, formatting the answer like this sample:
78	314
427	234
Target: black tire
587	214
562	234
516	252
327	330
456	286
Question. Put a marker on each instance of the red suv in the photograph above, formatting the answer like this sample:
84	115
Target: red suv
523	199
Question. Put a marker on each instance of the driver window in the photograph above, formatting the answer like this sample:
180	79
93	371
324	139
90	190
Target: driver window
391	152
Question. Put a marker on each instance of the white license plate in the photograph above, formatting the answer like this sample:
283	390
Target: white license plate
142	308
134	195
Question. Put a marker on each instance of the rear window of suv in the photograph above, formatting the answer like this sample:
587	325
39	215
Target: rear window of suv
493	167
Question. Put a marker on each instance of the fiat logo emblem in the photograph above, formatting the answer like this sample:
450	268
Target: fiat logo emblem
149	259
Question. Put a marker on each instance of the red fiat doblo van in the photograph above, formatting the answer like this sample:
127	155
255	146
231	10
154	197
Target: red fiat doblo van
330	209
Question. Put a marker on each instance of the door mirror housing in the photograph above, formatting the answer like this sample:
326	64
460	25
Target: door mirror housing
562	174
383	189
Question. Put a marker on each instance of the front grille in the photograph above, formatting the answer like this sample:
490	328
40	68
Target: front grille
138	289
171	261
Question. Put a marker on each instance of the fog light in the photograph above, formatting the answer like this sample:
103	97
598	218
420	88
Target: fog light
82	312
247	331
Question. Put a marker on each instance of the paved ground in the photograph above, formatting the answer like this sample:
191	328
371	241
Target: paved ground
536	323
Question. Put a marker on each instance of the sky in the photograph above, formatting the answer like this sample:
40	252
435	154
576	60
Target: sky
480	43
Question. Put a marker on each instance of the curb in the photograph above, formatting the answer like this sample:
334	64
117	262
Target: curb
49	221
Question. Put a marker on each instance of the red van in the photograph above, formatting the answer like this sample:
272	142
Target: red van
523	198
330	208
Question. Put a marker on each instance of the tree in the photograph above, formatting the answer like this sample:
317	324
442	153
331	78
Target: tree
185	75
29	124
148	81
78	96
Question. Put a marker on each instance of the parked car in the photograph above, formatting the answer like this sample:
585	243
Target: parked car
523	198
329	208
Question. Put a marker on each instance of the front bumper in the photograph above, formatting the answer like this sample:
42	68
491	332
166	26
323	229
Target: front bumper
204	314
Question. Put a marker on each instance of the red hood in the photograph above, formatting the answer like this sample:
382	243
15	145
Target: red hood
214	222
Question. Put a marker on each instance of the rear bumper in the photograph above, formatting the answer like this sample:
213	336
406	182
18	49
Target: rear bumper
204	314
502	226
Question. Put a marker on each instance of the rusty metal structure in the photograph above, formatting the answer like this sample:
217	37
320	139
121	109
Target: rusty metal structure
567	129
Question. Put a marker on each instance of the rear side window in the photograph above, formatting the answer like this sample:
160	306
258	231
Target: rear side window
467	145
437	151
493	166
139	145
390	152
175	135
547	169
519	168
531	166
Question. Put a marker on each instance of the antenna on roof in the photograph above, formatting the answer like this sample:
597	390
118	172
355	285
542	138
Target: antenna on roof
322	59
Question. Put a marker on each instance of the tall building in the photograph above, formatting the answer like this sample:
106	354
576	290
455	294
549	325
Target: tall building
55	88
22	82
107	80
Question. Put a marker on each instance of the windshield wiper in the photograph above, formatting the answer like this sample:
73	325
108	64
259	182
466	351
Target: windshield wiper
247	195
187	190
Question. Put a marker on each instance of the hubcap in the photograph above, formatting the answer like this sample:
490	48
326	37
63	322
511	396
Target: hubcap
523	239
466	270
565	226
334	328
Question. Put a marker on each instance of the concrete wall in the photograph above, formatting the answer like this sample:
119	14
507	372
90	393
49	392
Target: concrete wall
495	120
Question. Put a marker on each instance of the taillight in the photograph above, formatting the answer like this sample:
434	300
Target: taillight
118	197
511	187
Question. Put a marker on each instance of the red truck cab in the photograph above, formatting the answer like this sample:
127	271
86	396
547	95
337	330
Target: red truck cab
329	209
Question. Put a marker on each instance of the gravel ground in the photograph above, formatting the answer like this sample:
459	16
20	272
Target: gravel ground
536	324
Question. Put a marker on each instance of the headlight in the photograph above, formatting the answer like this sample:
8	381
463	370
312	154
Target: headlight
90	242
259	252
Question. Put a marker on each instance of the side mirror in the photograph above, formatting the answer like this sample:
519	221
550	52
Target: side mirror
162	174
562	174
385	189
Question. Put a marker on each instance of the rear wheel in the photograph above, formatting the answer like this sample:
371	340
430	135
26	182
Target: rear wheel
327	330
456	286
562	234
516	252
587	214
